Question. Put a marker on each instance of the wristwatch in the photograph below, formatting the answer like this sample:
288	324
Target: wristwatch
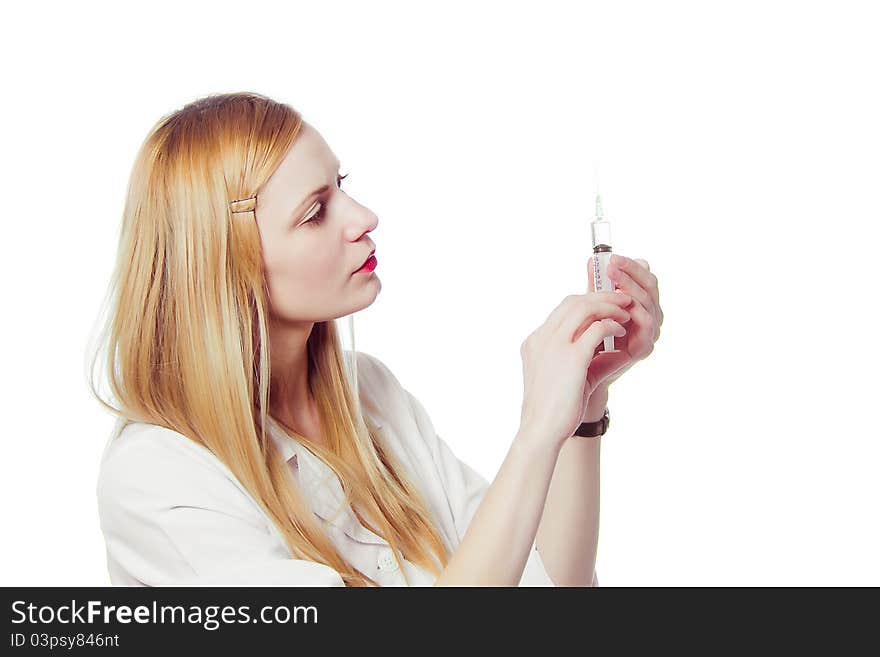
594	429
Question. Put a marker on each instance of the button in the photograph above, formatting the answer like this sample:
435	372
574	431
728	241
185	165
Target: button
387	562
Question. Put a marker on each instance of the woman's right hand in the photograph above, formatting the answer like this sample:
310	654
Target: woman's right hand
556	357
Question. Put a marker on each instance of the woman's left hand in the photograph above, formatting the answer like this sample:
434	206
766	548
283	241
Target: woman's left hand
634	277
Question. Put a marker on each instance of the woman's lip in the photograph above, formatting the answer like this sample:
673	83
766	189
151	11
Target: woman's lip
369	265
367	260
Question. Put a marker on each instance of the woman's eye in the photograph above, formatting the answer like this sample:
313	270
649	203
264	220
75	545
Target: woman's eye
317	218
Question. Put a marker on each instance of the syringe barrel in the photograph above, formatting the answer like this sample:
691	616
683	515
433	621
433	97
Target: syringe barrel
601	233
601	281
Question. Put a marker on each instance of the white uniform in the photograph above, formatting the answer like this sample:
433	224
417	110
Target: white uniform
173	514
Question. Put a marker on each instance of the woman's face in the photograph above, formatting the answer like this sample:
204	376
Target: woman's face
314	239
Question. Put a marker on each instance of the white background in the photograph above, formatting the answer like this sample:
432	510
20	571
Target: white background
738	150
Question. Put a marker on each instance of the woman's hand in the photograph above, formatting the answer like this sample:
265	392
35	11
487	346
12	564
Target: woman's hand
633	277
555	357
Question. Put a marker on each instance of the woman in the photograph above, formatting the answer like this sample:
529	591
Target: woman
252	449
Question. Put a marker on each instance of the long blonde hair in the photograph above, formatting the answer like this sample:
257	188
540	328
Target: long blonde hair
186	335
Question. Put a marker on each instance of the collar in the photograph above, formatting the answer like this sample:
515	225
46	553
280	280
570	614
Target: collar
290	447
320	485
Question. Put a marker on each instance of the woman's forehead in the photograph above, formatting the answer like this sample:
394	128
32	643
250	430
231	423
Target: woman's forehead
306	165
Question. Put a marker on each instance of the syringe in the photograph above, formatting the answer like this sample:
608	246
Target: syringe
601	232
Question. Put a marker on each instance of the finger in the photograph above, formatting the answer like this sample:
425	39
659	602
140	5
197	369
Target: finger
590	278
625	282
637	272
655	293
597	332
640	271
573	307
643	317
618	297
576	323
557	316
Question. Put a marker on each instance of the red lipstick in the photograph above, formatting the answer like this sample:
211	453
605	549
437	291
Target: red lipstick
369	265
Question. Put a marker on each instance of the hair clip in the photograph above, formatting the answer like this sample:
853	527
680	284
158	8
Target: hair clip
244	204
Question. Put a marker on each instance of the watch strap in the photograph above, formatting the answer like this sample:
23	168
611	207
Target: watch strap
594	429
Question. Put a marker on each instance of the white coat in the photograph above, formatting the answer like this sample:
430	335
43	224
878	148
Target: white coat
173	514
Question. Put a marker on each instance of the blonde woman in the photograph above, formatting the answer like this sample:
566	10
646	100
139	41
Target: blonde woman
250	448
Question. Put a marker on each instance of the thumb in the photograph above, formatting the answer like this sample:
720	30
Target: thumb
595	335
605	365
